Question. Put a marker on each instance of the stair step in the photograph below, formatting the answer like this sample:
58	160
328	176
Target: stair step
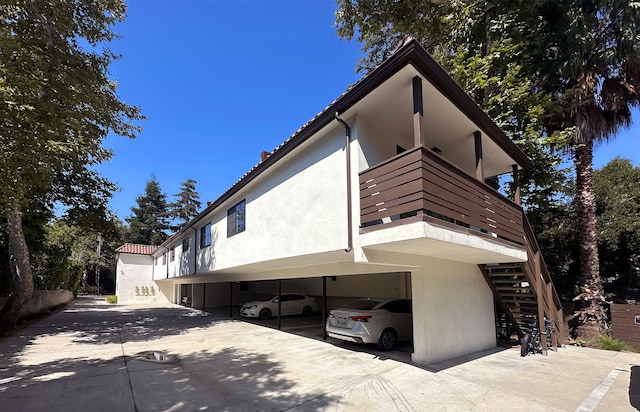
503	266
510	288
508	281
518	295
512	298
506	275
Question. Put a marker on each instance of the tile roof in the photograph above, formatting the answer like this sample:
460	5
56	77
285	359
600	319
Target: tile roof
135	249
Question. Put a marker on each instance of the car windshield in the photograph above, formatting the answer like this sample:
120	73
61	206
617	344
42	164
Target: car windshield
265	298
362	304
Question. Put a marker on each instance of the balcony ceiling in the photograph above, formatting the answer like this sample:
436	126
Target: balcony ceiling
388	109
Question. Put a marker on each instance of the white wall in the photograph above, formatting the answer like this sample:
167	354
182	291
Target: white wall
298	207
41	300
183	261
453	311
159	270
134	283
374	146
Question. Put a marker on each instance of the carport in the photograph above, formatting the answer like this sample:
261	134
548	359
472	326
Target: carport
330	291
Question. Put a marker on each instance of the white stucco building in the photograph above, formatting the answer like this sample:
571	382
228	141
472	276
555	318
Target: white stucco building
386	192
134	278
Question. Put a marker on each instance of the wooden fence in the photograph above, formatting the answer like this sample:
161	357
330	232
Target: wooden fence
625	322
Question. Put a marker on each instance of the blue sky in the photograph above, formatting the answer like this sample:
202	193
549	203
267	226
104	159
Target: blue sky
222	80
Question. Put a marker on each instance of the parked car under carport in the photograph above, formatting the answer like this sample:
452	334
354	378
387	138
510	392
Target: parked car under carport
381	321
289	303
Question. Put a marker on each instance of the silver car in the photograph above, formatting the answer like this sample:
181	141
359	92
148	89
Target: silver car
381	321
267	306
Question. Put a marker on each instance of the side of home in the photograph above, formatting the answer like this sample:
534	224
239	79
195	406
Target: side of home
388	192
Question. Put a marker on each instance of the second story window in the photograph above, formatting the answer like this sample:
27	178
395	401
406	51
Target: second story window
185	245
172	254
236	219
164	258
205	236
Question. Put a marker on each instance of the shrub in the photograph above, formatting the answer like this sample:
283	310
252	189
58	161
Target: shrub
112	299
607	342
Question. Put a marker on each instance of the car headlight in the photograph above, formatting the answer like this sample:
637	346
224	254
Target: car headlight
251	307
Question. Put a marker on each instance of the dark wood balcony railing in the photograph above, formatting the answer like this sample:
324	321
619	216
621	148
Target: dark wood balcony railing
421	185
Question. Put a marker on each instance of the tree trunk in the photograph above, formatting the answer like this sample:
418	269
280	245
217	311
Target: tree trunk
21	273
590	312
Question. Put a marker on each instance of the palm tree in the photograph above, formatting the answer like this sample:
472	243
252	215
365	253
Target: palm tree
591	64
582	54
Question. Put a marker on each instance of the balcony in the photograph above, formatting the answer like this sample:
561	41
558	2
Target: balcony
420	185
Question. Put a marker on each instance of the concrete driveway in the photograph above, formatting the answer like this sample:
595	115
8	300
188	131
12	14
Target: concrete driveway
99	357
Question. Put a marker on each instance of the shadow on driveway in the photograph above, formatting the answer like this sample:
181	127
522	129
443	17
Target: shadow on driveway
92	354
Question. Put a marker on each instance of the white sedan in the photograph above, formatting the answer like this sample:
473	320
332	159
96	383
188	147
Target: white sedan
381	321
267	306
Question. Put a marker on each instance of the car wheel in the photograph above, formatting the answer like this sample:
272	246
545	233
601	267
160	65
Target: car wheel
307	311
265	314
387	340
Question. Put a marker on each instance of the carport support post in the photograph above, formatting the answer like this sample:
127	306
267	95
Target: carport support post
204	294
279	303
324	307
541	310
231	300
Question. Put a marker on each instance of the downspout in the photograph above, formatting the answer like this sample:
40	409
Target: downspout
347	130
195	250
166	261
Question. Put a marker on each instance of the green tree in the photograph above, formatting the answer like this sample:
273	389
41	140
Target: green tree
35	219
68	252
617	187
186	206
484	48
564	74
589	60
57	105
557	235
150	220
52	268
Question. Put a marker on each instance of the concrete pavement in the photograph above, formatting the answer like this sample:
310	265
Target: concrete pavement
99	357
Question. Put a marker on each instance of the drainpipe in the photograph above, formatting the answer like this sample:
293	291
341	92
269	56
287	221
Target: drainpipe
195	250
166	261
347	130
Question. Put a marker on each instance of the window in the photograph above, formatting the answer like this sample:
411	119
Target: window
236	219
291	296
185	245
156	260
398	306
205	236
172	255
164	258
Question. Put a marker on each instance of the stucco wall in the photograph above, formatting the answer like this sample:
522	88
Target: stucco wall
43	299
134	283
453	311
296	208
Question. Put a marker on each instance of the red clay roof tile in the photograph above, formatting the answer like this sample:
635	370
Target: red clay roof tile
135	249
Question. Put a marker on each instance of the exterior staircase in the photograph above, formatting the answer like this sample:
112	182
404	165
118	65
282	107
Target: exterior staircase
525	293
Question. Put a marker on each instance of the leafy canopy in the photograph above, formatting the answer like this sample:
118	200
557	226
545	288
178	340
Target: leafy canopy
486	48
57	103
617	187
149	223
186	205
